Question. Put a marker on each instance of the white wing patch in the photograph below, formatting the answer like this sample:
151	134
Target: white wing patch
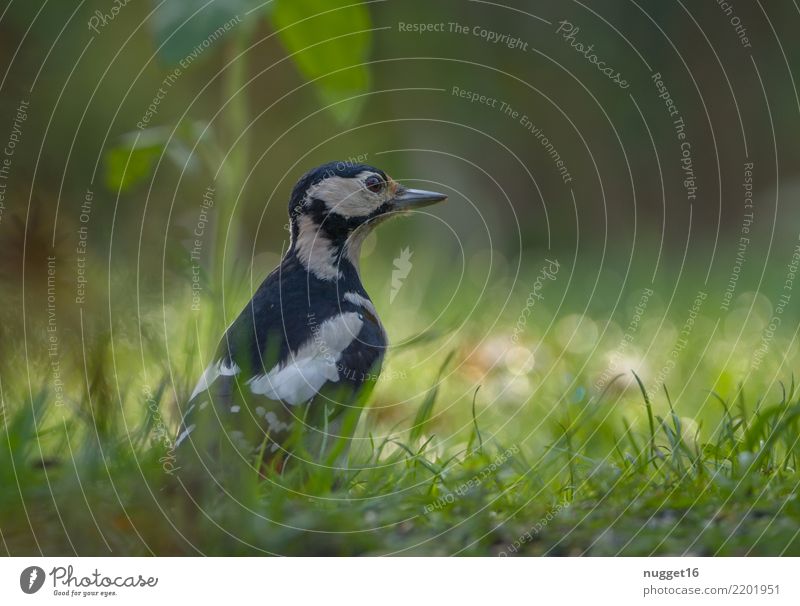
210	374
302	375
357	299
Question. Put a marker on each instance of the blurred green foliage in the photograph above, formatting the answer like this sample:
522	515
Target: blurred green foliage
330	42
178	25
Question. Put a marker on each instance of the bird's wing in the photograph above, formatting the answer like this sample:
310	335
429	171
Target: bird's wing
254	406
226	424
303	373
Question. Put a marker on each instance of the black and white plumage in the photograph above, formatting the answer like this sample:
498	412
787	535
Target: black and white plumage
310	336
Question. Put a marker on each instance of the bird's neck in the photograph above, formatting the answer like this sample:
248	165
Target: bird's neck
327	257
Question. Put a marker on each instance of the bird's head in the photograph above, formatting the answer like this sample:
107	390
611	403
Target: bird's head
334	206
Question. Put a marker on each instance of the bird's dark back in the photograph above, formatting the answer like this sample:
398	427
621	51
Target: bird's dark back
289	305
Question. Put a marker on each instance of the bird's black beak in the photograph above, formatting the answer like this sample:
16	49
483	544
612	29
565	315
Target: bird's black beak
407	199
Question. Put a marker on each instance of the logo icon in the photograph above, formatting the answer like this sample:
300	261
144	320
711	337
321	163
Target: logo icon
31	579
402	267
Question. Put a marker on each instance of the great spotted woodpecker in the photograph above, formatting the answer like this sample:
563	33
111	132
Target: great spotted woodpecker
310	337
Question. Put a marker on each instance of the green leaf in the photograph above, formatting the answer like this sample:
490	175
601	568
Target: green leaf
325	36
132	159
127	165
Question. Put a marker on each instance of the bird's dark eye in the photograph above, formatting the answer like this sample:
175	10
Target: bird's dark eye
374	184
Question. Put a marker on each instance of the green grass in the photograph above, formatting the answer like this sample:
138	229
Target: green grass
658	491
468	445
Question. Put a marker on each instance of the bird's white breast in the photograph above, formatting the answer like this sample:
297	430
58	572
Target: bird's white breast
304	372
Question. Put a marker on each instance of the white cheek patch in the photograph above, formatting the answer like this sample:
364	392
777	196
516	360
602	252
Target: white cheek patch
315	251
301	376
347	197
